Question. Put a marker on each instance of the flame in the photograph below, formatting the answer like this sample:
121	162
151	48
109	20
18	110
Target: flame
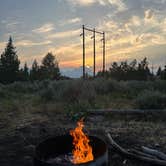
82	151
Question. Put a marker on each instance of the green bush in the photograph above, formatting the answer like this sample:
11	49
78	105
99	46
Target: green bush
78	91
151	100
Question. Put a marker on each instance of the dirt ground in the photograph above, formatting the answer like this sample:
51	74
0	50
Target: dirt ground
17	145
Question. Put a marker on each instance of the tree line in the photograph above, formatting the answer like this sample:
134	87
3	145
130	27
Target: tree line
134	71
10	70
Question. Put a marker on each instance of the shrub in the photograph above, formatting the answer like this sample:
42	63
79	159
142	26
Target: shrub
88	93
151	100
47	94
101	86
75	91
20	87
160	85
71	91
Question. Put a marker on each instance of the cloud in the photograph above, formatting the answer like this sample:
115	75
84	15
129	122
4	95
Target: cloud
71	21
128	33
12	24
125	40
2	46
29	43
44	28
74	20
149	14
82	2
65	34
134	21
119	4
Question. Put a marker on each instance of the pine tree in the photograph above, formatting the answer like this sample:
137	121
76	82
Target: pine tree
143	70
26	72
159	71
163	75
34	73
9	64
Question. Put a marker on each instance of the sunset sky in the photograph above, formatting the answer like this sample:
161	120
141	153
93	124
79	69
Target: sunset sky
134	29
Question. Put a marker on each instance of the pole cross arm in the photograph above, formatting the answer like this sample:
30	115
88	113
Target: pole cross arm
92	30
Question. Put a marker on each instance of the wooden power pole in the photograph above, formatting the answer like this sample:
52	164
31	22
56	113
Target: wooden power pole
83	35
94	49
103	52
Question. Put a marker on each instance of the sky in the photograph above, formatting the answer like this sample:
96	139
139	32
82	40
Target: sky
134	29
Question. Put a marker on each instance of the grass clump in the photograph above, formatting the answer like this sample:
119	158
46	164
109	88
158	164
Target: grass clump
47	94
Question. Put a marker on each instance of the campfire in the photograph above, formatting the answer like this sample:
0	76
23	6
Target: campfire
74	148
82	152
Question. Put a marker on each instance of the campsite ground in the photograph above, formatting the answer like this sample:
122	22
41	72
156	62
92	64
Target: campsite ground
130	131
31	112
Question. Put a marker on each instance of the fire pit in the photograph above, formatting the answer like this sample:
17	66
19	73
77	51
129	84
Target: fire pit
57	151
74	149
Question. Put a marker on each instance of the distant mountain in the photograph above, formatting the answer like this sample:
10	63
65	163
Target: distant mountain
76	72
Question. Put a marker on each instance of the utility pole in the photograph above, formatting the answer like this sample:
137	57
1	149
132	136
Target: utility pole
103	52
94	51
83	35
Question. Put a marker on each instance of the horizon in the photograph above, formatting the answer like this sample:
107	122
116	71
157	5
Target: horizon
134	30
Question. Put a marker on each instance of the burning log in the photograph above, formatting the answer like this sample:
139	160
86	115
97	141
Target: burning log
131	155
82	152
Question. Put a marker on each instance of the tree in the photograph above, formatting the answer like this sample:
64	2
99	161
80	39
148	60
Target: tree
163	74
34	73
49	68
115	71
143	70
159	71
9	64
24	73
131	71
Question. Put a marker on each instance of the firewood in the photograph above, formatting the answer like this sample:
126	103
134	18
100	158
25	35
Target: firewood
130	155
141	153
127	112
154	152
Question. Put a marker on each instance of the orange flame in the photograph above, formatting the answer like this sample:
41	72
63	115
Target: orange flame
82	152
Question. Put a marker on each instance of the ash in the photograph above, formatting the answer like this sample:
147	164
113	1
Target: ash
61	159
